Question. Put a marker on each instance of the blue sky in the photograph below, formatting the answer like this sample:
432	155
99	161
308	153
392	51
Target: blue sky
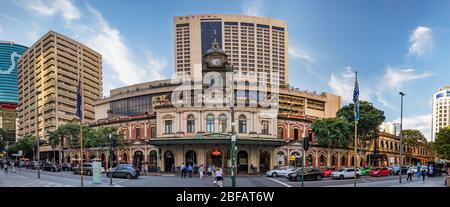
394	45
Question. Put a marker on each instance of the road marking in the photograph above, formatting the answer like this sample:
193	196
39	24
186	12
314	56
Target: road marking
279	182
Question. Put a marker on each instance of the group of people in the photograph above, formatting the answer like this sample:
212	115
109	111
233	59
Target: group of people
211	171
5	165
422	173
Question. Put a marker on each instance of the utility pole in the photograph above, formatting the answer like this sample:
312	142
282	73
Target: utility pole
111	143
36	123
233	133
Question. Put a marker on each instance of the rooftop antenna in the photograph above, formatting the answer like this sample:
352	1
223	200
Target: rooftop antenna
215	44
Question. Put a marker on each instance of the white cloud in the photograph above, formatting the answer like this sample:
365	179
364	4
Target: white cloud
127	66
383	101
253	8
419	122
421	41
343	85
397	77
65	8
300	55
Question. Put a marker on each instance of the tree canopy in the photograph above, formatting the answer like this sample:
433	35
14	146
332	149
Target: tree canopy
332	132
442	143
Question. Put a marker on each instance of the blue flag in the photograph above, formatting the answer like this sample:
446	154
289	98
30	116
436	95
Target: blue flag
79	102
356	98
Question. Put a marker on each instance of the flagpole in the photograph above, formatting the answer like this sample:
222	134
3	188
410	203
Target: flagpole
81	151
356	113
356	152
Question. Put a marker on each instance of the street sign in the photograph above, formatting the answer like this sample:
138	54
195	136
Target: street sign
20	152
233	138
292	158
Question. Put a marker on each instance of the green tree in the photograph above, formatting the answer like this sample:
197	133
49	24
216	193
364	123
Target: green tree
27	144
442	143
413	138
369	120
332	133
54	139
3	135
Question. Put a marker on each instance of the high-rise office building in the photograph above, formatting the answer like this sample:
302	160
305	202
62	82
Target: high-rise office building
441	110
49	74
256	46
391	128
9	56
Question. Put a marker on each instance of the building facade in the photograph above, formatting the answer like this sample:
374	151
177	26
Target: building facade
441	110
256	46
9	56
50	72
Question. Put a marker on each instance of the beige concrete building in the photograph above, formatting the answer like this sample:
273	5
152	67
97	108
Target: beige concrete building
256	46
441	110
53	67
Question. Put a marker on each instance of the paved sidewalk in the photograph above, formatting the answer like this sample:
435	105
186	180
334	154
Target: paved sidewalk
416	182
25	180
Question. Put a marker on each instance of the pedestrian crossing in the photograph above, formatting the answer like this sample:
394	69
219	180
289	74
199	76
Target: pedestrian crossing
15	180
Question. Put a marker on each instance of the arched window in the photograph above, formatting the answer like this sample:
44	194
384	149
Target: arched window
264	127
223	123
210	123
280	132
391	147
296	135
242	124
310	160
333	160
382	144
190	124
322	160
137	133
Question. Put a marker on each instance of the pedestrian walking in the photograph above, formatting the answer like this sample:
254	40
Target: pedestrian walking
183	170
13	166
408	171
190	169
209	171
214	174
423	175
219	177
200	171
6	168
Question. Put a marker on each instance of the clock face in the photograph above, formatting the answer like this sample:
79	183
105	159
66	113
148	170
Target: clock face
216	62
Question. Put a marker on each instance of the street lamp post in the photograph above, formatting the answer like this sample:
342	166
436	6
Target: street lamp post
233	133
36	118
401	134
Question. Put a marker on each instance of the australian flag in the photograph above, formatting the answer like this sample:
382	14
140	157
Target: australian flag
356	98
79	102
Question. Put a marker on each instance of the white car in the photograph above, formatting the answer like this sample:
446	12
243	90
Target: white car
281	171
345	173
414	169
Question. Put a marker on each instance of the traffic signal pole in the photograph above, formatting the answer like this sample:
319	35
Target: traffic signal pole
110	158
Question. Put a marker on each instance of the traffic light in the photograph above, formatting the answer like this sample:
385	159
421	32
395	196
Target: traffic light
306	140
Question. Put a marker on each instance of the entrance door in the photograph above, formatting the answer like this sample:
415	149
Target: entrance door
216	157
138	159
242	161
191	158
264	161
169	160
153	161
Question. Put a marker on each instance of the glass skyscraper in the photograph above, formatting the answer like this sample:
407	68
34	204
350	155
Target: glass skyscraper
9	55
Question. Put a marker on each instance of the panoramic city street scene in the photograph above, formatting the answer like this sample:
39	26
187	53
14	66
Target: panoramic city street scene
238	93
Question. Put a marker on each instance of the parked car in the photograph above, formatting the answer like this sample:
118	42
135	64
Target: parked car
394	169
33	165
280	171
346	173
67	167
414	169
327	172
380	171
51	167
309	174
124	171
365	171
87	169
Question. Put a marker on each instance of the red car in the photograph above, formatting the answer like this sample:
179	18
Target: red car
327	172
380	171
